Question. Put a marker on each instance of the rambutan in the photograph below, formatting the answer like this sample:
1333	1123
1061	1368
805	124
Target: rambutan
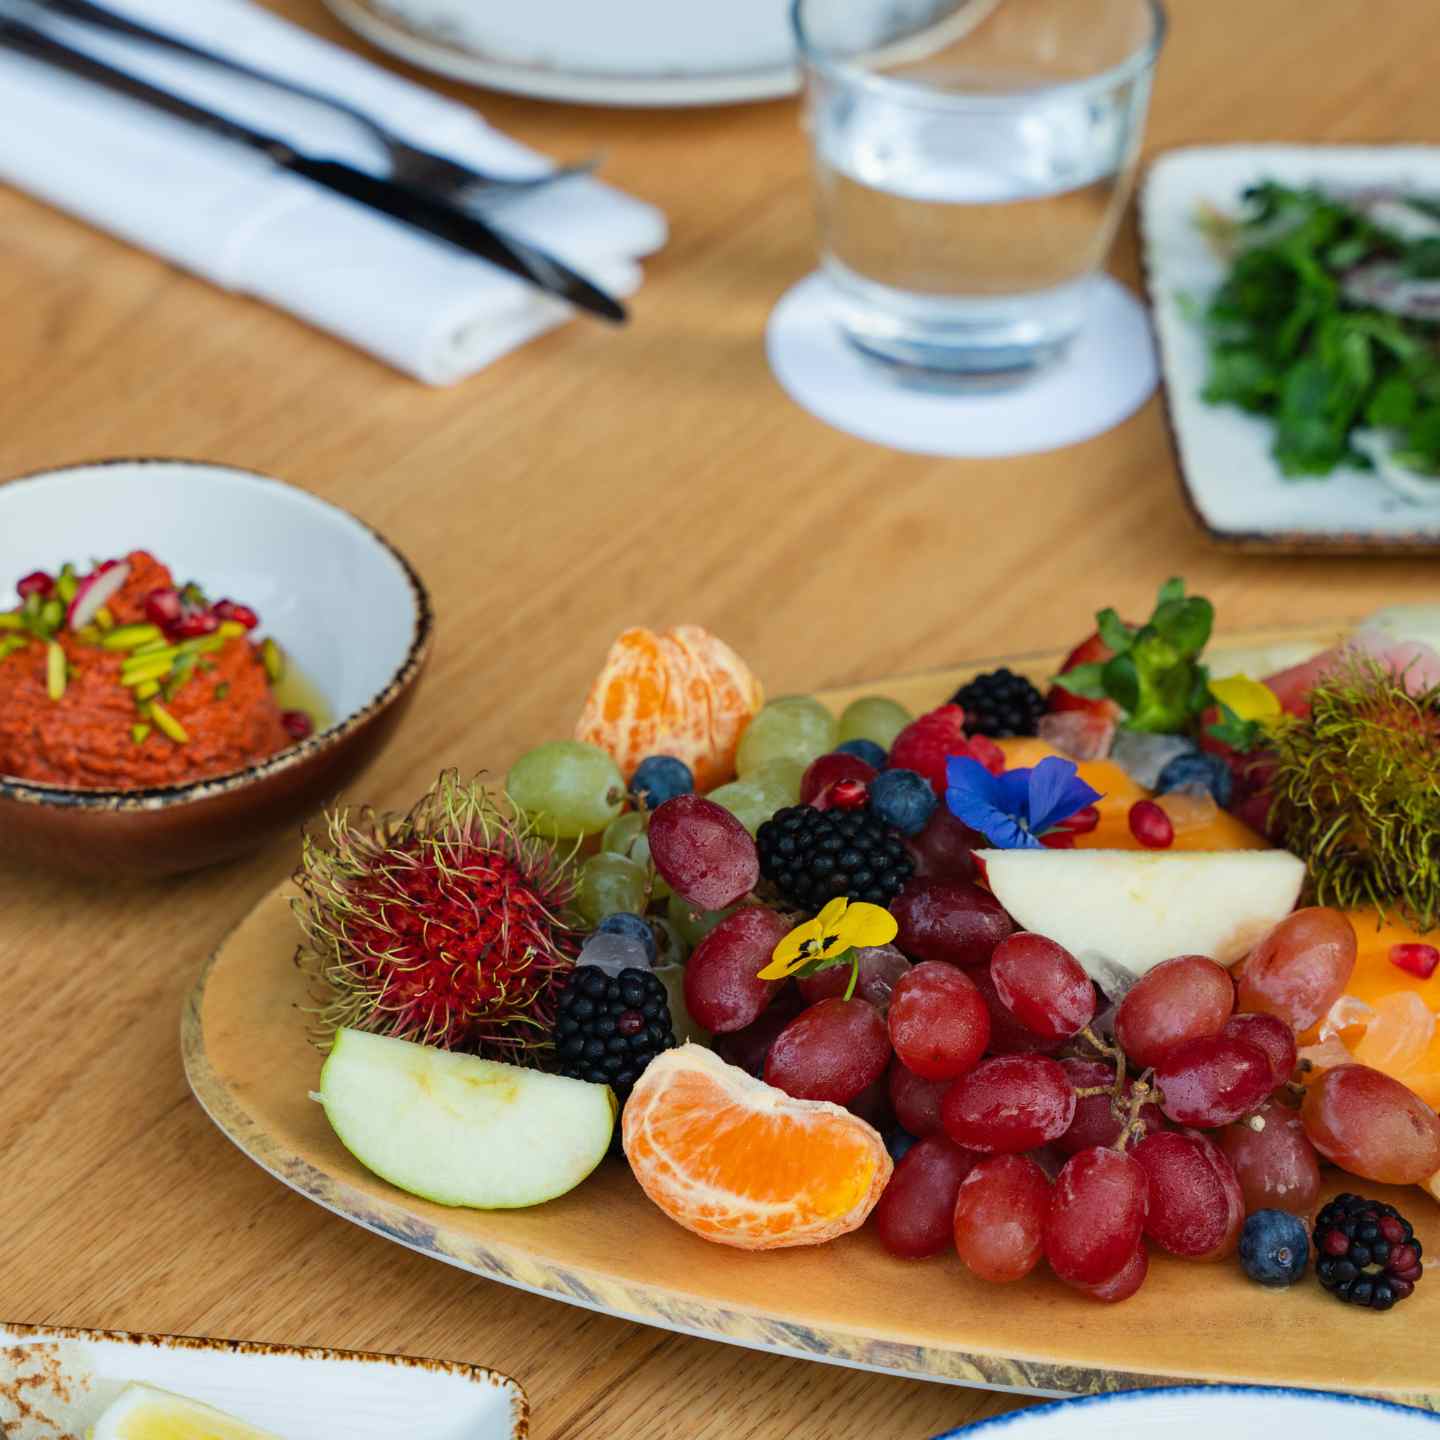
444	925
1356	787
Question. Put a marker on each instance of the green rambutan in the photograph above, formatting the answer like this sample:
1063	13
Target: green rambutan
1356	788
444	925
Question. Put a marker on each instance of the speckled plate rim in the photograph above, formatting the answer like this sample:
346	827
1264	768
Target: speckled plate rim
164	797
16	1333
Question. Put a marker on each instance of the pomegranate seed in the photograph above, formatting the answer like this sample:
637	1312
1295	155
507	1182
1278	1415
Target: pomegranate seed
1082	822
234	610
848	794
1151	826
1417	959
163	608
37	582
194	623
1058	840
298	725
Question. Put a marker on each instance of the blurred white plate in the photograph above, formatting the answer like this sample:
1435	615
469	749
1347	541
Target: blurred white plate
54	1383
1235	1411
1231	481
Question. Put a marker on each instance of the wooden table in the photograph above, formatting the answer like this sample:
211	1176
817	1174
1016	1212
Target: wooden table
590	481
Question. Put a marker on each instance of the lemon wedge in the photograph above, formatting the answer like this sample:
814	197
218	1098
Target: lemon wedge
141	1412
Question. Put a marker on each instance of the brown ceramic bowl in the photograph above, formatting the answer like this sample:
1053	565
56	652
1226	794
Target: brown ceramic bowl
347	608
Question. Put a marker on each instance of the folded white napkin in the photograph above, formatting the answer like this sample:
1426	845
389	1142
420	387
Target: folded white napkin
227	214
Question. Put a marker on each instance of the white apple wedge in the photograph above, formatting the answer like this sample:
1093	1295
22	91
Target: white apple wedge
459	1130
1132	909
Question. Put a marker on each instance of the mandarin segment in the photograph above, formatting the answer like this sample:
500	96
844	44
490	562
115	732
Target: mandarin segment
680	692
739	1162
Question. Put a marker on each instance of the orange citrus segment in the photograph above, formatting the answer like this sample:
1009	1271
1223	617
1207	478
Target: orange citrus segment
679	692
739	1162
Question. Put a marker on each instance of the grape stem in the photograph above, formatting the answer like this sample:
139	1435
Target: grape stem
1104	1047
1141	1094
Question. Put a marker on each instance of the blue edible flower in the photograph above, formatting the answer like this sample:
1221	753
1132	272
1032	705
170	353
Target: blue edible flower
1012	810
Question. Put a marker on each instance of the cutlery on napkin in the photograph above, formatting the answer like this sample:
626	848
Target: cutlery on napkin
229	216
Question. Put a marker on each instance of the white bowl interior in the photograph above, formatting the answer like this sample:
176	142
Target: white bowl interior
1236	1412
335	598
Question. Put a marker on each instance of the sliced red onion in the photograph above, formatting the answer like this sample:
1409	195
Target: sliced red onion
1386	286
95	591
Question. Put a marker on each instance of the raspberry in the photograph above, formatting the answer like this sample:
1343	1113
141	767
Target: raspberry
925	744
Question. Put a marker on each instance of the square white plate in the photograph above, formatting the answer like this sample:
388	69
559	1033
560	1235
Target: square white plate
54	1383
1231	481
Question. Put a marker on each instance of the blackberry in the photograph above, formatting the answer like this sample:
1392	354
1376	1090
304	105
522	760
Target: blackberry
1000	703
608	1028
811	856
1366	1252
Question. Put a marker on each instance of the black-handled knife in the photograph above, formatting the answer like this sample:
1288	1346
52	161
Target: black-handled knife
401	202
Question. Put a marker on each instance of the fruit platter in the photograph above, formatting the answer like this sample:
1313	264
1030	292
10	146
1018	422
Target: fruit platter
1062	1024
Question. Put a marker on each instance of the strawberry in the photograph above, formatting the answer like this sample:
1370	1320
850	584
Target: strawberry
1084	653
925	744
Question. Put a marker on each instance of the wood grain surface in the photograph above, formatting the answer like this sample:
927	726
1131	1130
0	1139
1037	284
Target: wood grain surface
589	481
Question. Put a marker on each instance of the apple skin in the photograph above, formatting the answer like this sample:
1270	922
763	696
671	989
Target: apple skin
459	1130
1131	909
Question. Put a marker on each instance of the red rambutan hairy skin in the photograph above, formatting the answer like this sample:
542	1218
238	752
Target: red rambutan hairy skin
444	925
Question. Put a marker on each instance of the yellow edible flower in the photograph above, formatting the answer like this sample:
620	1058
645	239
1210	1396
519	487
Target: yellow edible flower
839	927
1248	698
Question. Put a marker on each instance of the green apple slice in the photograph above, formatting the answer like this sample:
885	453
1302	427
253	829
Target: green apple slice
1132	909
459	1130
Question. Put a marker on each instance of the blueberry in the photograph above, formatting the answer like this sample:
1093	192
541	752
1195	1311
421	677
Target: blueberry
1274	1247
866	750
633	927
903	799
897	1142
1197	769
659	778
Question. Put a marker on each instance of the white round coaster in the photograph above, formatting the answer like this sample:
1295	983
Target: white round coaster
1106	377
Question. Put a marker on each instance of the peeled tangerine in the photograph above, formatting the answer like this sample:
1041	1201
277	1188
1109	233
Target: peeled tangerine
680	692
739	1162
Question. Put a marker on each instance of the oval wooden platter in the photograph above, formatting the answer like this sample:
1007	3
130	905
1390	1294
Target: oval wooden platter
605	1247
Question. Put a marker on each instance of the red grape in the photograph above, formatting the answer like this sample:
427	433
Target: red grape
1007	1035
1196	1204
1276	1166
748	1048
831	1051
1372	1126
880	967
945	848
938	1023
1124	1283
1096	1216
830	769
1008	1104
722	992
916	1214
702	852
1042	985
1272	1035
1212	1080
1178	1000
916	1102
950	920
1301	968
999	1217
1096	1122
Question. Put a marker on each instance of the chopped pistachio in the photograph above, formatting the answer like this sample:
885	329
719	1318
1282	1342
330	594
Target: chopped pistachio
230	629
205	666
67	582
104	618
167	724
272	657
9	644
139	732
222	690
55	676
179	677
88	635
127	637
11	620
150	647
202	645
52	615
148	690
153	667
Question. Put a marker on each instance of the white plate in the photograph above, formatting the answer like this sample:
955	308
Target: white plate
54	1383
1232	482
1237	1412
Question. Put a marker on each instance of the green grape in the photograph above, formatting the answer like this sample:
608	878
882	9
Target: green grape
627	836
567	788
746	801
873	717
693	925
797	727
610	883
781	778
670	946
672	977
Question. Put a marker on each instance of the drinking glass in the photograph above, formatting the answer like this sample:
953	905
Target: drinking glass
972	161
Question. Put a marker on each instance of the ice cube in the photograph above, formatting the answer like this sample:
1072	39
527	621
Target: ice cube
1189	809
1142	757
1079	734
613	953
1398	1037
